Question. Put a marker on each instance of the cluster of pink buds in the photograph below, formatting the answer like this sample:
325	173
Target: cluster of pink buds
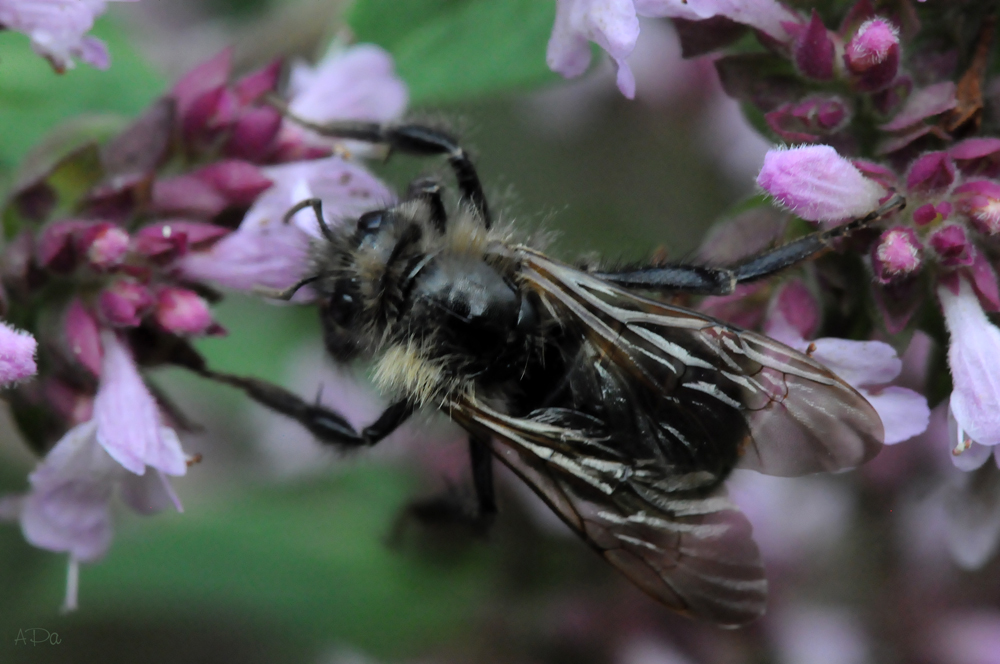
113	256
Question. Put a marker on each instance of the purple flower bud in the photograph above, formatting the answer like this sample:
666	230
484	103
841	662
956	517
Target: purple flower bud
952	246
977	156
798	308
932	173
17	355
980	202
239	181
104	245
124	302
169	239
208	76
818	184
814	50
83	337
897	254
873	54
808	120
931	213
181	311
188	195
56	247
254	85
253	136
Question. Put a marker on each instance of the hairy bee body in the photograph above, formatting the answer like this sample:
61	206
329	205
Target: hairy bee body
622	412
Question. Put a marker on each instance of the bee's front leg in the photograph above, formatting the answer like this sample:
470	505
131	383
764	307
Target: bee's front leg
327	425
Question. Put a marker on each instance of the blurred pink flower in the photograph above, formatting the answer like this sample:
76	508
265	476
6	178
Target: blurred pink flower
817	184
817	634
614	26
68	507
17	354
58	29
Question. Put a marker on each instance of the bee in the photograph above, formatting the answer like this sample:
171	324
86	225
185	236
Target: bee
623	412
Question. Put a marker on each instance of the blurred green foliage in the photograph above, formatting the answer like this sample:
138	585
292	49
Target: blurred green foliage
449	50
34	99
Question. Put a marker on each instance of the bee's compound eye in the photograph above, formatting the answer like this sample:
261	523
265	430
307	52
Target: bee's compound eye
370	222
343	307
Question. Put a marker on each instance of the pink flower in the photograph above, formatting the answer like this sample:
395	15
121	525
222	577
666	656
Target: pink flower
17	355
974	359
873	54
818	184
897	254
979	200
266	252
357	83
128	419
182	312
614	26
68	505
58	29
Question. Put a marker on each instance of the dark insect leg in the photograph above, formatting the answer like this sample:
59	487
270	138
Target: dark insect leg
722	281
327	425
317	208
452	507
410	139
428	190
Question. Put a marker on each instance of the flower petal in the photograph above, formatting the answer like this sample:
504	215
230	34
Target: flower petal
860	363
128	419
818	184
67	508
974	359
904	413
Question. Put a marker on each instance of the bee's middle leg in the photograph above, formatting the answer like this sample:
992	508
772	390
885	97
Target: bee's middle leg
453	508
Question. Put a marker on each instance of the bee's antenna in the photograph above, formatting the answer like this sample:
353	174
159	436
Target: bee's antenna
317	208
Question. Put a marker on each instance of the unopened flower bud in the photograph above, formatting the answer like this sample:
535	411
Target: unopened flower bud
873	54
83	337
897	254
169	239
980	202
932	213
104	245
952	246
124	302
818	184
56	247
814	50
931	173
798	307
181	311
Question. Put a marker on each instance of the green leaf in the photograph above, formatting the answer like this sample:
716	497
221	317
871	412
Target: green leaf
309	560
34	99
449	50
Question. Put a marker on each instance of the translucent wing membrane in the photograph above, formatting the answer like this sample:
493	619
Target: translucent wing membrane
692	553
800	417
655	407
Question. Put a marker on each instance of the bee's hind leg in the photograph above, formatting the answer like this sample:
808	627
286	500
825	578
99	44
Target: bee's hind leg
723	280
453	508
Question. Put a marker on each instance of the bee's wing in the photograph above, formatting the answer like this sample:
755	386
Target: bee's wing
801	417
692	553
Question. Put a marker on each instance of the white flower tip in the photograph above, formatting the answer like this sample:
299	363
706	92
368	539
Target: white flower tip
817	184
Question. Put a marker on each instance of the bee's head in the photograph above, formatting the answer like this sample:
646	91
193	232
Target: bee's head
361	276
